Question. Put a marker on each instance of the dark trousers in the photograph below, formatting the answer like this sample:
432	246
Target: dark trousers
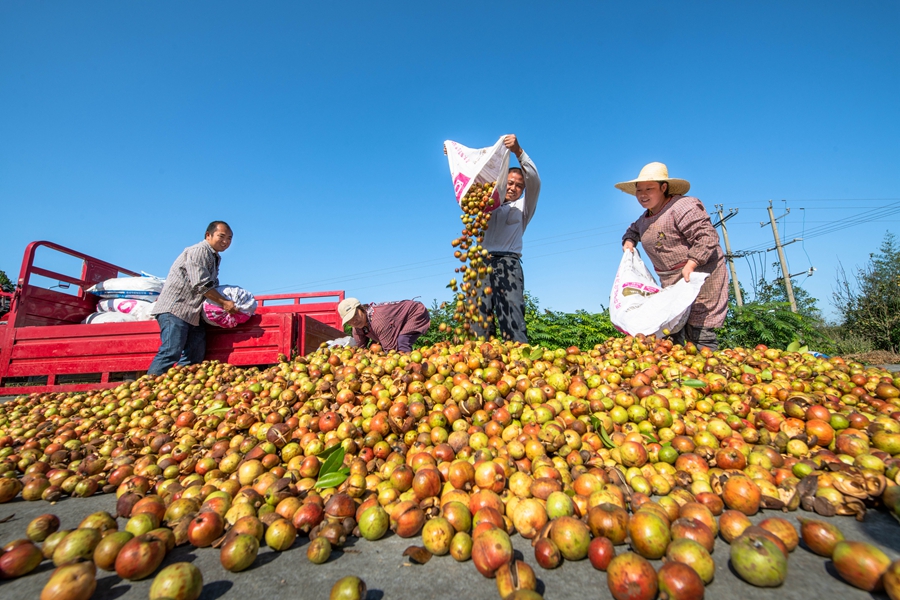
405	341
180	342
507	301
702	337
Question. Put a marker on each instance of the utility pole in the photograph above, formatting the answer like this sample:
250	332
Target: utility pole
734	277
784	268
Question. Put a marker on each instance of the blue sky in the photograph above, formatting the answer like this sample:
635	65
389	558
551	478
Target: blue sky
316	131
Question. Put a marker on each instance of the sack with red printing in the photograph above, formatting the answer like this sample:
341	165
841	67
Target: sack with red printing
243	300
139	309
98	318
478	165
638	305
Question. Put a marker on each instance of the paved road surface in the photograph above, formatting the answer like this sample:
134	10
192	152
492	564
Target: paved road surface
381	565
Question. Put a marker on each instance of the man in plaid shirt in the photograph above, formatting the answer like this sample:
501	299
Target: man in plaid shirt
192	279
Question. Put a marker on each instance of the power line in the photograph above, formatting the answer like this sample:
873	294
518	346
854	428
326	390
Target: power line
755	204
442	274
569	236
354	276
838	207
838	225
827	221
614	243
803	244
853	221
734	278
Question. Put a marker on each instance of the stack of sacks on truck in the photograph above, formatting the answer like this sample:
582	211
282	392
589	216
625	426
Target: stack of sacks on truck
125	299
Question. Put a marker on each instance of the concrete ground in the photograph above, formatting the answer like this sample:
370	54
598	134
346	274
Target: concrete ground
388	574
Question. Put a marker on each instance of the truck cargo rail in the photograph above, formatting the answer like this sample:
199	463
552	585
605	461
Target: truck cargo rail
45	347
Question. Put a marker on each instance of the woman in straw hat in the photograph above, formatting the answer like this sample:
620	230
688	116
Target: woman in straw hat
679	239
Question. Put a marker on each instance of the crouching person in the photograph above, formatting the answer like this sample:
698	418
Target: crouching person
393	325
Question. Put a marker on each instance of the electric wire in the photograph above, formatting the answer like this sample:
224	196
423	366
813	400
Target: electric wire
755	204
873	213
803	239
839	225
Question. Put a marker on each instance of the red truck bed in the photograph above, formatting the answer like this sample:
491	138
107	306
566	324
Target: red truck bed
44	347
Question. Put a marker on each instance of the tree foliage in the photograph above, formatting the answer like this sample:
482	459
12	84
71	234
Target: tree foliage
5	284
869	302
772	324
775	291
554	329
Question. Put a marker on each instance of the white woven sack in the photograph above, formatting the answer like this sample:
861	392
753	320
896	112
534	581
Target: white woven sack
243	300
638	305
110	317
478	165
139	309
139	288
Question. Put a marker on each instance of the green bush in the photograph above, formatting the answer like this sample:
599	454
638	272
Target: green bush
845	342
772	324
440	313
5	284
554	329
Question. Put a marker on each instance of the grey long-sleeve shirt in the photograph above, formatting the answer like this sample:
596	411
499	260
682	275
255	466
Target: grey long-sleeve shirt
194	272
508	222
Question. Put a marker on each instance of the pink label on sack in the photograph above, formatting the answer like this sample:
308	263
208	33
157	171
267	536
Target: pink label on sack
220	317
126	306
459	184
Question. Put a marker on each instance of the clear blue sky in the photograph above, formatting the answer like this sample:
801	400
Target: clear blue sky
315	129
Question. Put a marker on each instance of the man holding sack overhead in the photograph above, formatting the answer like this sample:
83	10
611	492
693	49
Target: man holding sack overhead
503	241
679	238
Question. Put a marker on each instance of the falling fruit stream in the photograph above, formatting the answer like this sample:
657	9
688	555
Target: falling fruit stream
458	447
470	292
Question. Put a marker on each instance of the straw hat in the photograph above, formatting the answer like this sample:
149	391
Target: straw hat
656	171
347	309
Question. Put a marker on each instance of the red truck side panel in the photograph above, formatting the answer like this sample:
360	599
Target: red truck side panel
58	349
45	337
39	307
34	306
313	332
324	312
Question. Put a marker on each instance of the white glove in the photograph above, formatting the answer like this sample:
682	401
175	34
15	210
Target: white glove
343	341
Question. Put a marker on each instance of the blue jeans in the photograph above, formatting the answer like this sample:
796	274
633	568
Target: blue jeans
180	342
